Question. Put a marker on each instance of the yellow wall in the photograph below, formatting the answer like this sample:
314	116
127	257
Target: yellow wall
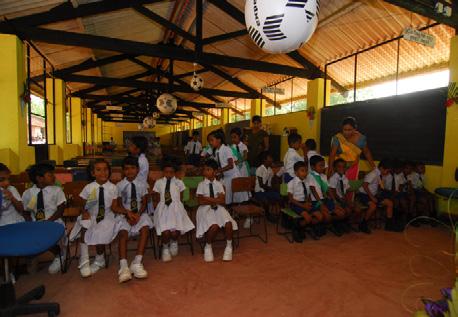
14	150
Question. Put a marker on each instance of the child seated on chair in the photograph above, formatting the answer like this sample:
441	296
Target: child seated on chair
170	217
423	196
269	198
211	215
369	194
292	156
300	203
97	224
240	152
46	202
319	186
133	220
11	209
400	195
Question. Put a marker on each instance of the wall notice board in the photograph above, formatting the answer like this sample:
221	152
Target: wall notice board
409	127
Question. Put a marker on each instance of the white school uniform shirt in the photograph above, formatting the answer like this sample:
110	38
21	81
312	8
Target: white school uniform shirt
297	190
204	188
416	180
373	179
143	171
266	175
242	147
125	190
90	193
387	182
8	213
313	153
176	187
189	147
53	197
311	182
208	150
334	182
399	181
291	158
222	155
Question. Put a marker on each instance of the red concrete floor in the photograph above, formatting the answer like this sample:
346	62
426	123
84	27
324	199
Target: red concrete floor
357	275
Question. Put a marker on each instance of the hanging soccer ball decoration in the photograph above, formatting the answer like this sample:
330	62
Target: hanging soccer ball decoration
149	123
167	104
156	115
197	82
281	26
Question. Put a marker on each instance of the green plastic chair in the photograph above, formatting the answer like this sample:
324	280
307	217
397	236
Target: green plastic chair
355	184
192	182
284	189
186	195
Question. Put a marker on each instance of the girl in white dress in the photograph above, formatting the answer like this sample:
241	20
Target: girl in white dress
133	221
240	151
227	169
170	216
97	224
211	215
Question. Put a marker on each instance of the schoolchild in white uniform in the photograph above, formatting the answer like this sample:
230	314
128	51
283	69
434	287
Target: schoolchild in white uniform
240	151
97	224
292	156
310	150
193	149
211	215
46	202
227	169
11	209
138	147
133	221
170	217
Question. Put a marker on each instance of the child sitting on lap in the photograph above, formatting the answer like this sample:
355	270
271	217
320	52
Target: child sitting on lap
45	201
170	217
211	215
133	220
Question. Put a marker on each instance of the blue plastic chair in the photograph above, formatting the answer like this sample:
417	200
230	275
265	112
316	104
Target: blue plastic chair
26	239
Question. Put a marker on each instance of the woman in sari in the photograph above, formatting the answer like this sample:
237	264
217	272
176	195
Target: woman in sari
348	145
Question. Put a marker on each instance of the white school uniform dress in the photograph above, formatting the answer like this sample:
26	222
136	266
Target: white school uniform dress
335	182
107	229
223	154
206	216
174	216
193	147
9	214
243	167
296	189
125	191
400	181
311	182
373	179
143	170
53	197
266	175
291	158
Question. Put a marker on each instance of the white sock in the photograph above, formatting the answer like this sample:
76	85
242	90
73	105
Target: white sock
229	243
138	259
123	263
208	245
84	251
100	258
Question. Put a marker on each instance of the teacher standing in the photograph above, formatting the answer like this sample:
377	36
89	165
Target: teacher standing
258	142
348	145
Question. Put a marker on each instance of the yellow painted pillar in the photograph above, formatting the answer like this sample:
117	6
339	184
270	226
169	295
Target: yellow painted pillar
451	127
14	149
56	151
224	116
255	107
77	138
315	101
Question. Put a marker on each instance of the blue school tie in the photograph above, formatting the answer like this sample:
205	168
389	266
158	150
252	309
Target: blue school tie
101	211
133	198
167	195
194	148
40	214
212	195
305	190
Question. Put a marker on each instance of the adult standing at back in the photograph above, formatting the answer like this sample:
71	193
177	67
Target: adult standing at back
348	145
258	142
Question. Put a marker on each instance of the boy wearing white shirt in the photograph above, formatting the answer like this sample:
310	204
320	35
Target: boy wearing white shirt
310	150
11	208
263	188
292	156
193	149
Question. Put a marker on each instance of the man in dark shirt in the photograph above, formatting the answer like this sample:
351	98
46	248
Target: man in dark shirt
258	142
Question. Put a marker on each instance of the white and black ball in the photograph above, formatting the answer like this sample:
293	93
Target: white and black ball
149	123
197	82
167	104
281	26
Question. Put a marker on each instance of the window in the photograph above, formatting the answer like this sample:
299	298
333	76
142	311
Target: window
242	105
214	121
37	125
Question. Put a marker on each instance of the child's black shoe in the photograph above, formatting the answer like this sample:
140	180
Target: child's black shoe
335	228
363	227
297	235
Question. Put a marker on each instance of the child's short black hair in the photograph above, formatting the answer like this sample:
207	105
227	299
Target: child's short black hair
4	168
212	164
264	155
195	133
311	144
314	160
39	169
294	138
299	164
141	142
256	119
131	161
237	131
218	134
91	167
168	163
338	161
386	164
